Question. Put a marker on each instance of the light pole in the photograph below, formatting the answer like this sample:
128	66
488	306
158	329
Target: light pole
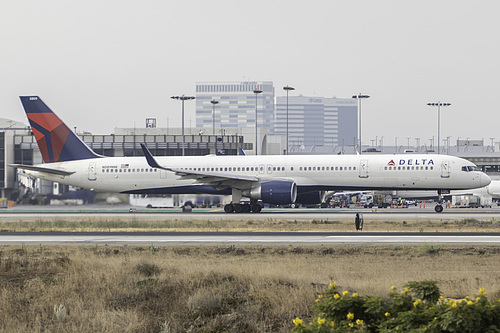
183	98
213	115
256	92
359	97
287	88
439	105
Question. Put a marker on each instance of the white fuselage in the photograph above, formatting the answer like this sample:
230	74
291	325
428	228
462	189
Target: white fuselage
309	172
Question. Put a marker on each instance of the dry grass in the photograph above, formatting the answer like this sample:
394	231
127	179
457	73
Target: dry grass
210	289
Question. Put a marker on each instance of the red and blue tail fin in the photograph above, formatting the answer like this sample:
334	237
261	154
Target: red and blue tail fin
56	141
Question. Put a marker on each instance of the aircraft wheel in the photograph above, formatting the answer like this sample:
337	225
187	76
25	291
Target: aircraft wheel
238	208
438	208
229	208
246	208
256	208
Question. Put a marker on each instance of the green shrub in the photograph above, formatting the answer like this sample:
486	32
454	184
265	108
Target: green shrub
419	307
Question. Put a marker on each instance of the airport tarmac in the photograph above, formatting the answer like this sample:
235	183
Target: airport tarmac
34	213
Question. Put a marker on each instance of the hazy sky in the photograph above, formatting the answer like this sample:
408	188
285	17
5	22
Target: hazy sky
106	64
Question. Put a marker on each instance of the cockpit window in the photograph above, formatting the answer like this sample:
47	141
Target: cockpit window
469	168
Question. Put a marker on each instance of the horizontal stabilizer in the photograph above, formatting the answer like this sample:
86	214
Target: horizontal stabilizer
42	169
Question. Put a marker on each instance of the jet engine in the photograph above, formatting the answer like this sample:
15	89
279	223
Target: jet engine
278	192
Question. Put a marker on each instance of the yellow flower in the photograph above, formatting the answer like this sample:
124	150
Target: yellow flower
355	295
297	321
441	299
467	298
350	316
320	296
359	322
478	299
393	288
336	296
454	305
406	290
333	285
330	324
417	302
470	302
387	314
345	293
321	321
351	325
482	291
317	300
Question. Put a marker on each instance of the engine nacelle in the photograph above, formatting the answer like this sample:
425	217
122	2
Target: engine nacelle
310	198
278	192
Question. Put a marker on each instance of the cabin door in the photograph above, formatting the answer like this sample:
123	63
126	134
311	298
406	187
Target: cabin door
445	169
363	169
92	171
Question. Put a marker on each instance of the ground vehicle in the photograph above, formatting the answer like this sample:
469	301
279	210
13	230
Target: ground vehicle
366	201
471	201
382	200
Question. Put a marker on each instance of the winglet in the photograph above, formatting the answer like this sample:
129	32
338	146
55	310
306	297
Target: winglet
241	152
149	157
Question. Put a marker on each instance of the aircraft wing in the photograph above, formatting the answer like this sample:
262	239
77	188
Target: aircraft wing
215	179
42	169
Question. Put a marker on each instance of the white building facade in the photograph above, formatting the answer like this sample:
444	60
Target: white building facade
317	122
236	105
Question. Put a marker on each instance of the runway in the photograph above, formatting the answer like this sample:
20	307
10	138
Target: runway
246	238
124	213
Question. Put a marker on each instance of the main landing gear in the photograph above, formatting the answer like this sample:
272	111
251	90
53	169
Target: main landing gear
243	208
238	207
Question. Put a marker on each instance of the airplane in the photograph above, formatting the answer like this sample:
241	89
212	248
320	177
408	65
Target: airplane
271	179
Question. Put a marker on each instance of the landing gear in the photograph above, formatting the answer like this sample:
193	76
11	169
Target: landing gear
243	208
256	208
229	208
438	208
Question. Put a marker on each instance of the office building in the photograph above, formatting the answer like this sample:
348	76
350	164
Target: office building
317	122
236	105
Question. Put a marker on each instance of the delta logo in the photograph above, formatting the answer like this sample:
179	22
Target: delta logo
411	161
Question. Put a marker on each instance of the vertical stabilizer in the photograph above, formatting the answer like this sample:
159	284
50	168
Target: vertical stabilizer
56	141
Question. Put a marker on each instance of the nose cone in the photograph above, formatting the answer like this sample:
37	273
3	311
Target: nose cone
484	179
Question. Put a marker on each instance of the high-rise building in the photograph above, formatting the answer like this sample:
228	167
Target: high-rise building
317	121
236	105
